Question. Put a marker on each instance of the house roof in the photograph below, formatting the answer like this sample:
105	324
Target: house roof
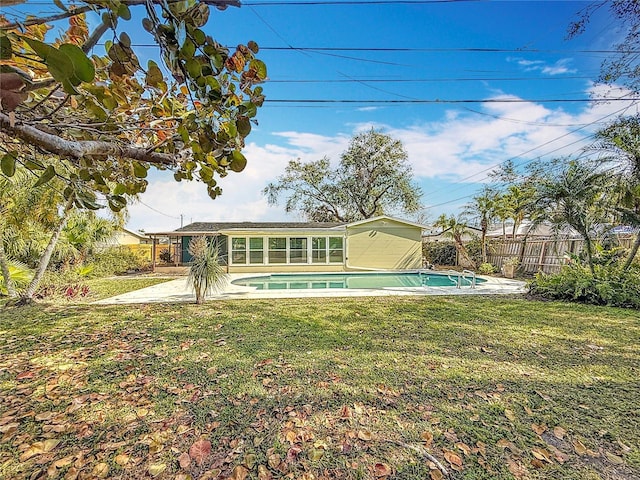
385	218
218	227
136	234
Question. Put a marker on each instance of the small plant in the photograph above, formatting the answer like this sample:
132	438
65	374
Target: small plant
512	262
165	255
206	273
487	269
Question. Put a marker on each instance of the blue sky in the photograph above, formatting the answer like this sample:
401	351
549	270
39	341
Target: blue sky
412	55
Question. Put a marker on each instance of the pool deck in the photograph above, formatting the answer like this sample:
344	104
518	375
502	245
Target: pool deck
176	291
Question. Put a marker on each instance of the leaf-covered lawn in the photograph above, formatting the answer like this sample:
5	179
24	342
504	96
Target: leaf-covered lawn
321	389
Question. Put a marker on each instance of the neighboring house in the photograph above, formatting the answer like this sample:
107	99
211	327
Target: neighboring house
380	243
125	236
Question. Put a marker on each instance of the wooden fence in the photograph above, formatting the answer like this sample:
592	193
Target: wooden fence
539	255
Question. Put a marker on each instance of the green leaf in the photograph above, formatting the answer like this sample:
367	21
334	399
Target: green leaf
244	126
154	74
124	12
139	170
117	202
238	161
6	51
259	67
83	68
147	24
125	40
46	176
119	189
188	49
206	173
193	68
8	164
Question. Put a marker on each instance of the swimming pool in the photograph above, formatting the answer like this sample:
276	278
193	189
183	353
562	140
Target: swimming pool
291	281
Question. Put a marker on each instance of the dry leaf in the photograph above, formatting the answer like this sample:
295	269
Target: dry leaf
452	458
516	468
239	473
427	437
381	470
541	454
464	447
200	450
559	432
101	470
436	475
579	447
156	469
264	473
615	459
539	429
122	459
509	414
184	460
365	435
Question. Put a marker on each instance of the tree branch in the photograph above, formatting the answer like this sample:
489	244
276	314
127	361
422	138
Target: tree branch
95	4
81	148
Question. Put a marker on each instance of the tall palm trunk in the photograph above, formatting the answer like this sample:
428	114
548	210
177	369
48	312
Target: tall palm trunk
632	253
4	266
27	295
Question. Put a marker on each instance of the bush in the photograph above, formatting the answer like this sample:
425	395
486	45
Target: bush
439	253
115	260
610	285
165	255
66	284
487	269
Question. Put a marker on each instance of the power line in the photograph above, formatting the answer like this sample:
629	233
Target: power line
446	101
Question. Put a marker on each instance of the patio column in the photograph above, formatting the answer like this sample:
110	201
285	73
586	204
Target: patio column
153	254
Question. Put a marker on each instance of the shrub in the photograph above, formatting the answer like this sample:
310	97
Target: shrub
609	285
439	253
115	260
165	255
67	284
206	273
487	269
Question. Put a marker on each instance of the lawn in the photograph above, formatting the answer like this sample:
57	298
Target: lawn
398	388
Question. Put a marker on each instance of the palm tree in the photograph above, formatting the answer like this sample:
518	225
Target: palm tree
484	208
455	228
620	145
576	196
206	273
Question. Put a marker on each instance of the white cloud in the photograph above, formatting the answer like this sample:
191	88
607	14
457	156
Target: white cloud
459	145
559	67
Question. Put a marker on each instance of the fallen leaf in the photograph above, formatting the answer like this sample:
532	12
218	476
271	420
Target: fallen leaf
539	429
516	468
543	396
122	459
345	412
452	458
365	435
101	470
273	460
381	470
156	469
509	414
579	447
184	460
615	459
250	460
559	432
315	454
264	473
239	473
427	437
541	454
464	447
200	450
436	475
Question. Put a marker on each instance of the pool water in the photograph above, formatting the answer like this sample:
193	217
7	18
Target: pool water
286	281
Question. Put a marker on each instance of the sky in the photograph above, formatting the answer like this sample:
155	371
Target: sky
465	85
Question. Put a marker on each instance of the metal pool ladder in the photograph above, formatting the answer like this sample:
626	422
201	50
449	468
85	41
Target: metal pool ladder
459	277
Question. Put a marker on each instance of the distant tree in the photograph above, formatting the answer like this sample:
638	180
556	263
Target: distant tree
483	207
372	178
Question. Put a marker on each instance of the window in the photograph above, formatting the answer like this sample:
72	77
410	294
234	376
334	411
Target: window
298	250
256	250
277	250
319	250
238	250
336	251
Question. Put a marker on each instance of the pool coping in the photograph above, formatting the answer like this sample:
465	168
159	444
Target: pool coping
178	291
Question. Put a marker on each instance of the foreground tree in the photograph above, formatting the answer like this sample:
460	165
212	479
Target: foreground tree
619	144
372	178
97	124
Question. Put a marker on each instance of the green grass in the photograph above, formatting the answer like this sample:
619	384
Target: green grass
322	388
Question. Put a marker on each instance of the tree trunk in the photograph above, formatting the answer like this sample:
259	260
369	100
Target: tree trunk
632	253
27	295
4	265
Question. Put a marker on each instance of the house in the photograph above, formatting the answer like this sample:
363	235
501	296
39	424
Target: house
380	243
